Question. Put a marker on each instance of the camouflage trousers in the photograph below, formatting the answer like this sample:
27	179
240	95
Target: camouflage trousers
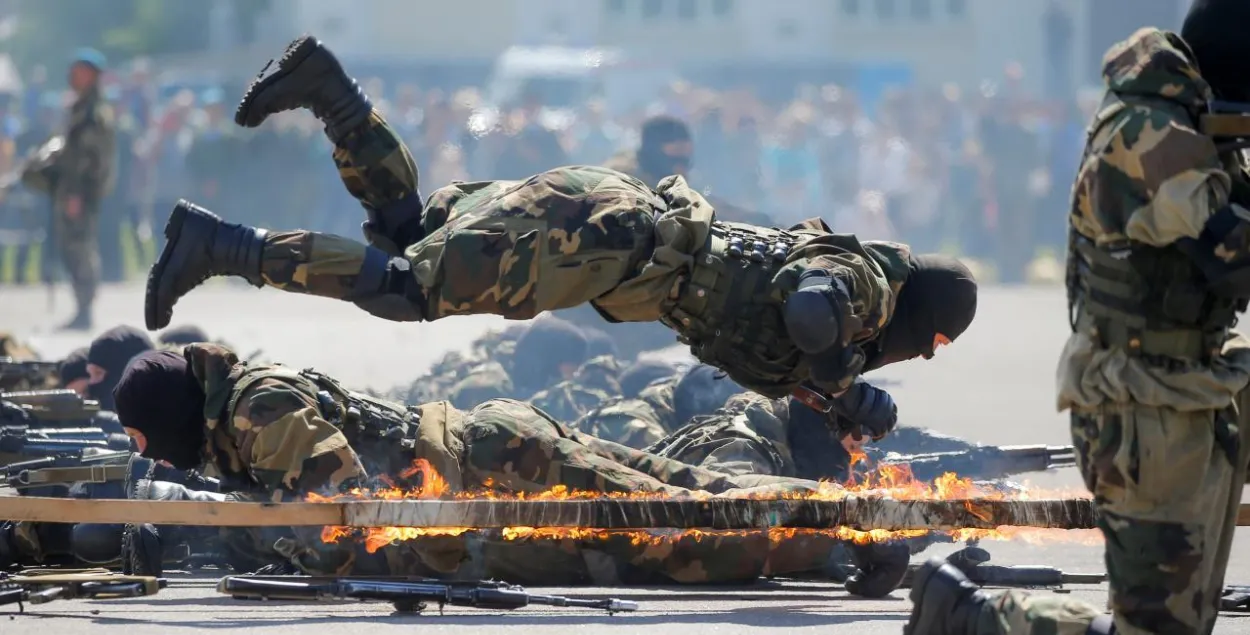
510	446
78	242
1167	485
560	239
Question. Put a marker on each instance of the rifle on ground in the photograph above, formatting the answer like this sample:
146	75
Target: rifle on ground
27	374
95	466
409	595
41	586
982	462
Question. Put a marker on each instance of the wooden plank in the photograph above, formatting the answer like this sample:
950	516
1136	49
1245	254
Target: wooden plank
863	513
208	514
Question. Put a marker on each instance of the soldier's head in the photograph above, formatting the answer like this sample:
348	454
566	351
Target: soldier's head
934	307
161	405
549	351
1215	32
666	147
701	391
107	358
85	69
72	372
640	374
182	335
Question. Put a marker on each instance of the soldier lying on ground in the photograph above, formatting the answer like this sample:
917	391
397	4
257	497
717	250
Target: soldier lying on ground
661	408
107	357
276	434
773	308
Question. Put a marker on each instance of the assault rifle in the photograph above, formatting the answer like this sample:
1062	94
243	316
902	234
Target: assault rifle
25	374
409	595
95	466
981	462
45	585
1236	597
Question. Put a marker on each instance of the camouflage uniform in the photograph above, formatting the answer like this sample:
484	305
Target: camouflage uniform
634	422
271	437
84	170
1154	380
593	384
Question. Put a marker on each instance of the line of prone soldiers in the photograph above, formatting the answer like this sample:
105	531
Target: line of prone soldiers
524	409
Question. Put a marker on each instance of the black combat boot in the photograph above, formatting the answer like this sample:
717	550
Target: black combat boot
199	245
944	601
306	76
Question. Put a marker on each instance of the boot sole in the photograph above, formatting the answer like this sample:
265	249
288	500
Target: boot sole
154	316
296	52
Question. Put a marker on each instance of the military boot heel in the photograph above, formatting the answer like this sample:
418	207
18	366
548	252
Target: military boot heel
944	601
199	245
306	76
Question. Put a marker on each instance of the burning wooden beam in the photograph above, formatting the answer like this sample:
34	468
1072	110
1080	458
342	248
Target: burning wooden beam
860	513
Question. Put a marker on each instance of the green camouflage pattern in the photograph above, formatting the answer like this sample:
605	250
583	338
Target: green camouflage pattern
627	161
579	234
747	436
481	382
1159	443
633	423
85	171
569	400
274	438
504	445
600	373
374	165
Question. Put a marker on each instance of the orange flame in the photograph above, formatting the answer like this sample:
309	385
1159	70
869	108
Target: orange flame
890	481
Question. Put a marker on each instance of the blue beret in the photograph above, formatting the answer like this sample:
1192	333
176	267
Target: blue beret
90	57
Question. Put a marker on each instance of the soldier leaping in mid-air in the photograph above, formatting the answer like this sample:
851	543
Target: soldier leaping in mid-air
780	311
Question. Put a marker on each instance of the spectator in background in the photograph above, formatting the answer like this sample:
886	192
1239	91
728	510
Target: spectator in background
790	170
529	146
594	138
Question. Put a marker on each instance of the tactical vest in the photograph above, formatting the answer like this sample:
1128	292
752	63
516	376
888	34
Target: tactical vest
382	433
1149	301
729	308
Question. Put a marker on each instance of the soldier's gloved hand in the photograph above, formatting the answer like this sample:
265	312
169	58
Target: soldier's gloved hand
13	414
167	491
881	565
814	314
869	408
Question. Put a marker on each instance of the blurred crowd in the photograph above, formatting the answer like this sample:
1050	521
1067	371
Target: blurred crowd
982	174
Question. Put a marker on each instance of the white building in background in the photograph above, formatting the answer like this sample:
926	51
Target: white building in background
939	40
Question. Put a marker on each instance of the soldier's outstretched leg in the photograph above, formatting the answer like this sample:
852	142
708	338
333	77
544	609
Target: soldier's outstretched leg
514	249
374	164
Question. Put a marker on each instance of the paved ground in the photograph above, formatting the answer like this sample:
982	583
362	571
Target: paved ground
995	385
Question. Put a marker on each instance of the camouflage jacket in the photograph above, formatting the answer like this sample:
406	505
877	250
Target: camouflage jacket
1149	178
635	423
627	161
86	167
747	436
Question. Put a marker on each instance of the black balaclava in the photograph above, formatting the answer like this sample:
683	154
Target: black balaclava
112	350
939	297
640	375
701	391
1215	32
159	396
73	367
656	132
542	349
183	335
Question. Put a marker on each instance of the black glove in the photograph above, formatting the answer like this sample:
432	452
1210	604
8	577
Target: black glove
881	565
813	314
868	408
13	414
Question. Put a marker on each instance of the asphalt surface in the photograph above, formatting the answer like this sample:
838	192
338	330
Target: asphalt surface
995	385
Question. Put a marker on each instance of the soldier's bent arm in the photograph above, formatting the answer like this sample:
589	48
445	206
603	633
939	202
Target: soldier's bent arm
286	445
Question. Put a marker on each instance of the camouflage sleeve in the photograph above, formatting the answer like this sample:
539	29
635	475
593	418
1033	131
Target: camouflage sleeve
87	164
873	274
1150	156
285	444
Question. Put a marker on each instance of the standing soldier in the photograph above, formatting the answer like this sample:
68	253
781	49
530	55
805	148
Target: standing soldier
1152	375
84	176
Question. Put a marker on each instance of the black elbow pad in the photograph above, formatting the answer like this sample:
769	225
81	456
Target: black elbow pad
813	314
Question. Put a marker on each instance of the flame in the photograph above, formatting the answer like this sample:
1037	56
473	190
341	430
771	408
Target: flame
888	481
